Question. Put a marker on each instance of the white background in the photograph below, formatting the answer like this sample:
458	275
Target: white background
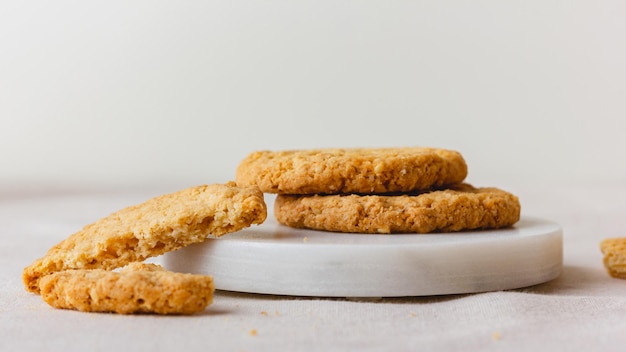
151	92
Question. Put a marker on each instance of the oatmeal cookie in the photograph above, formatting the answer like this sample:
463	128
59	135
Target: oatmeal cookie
137	288
361	170
614	251
160	225
461	207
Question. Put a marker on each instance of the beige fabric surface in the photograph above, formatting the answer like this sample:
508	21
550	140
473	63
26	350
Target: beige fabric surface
584	309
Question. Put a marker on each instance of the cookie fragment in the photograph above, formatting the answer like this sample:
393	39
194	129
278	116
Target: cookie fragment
355	170
458	208
137	288
614	251
159	225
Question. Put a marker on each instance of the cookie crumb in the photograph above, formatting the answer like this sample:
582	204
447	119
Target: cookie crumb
253	332
264	313
495	336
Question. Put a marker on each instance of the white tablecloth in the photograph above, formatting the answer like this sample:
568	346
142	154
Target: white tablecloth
584	309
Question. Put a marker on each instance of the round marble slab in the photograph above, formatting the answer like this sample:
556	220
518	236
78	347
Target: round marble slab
275	259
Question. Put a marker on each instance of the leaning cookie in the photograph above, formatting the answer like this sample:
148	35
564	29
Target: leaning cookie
461	207
614	251
359	170
161	224
137	288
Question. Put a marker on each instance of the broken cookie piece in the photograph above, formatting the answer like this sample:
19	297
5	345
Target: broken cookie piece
137	288
162	224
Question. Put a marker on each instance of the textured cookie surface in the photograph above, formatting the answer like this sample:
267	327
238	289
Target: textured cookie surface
614	250
461	207
161	224
337	171
137	288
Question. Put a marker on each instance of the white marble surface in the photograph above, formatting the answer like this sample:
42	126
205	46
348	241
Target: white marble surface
275	259
583	309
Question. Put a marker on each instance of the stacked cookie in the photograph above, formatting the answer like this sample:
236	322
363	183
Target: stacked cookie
380	190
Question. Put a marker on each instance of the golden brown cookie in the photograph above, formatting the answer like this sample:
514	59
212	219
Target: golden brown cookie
137	288
614	250
362	170
461	207
161	224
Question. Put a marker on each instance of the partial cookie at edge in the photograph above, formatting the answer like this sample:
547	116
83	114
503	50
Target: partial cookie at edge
358	170
459	208
614	251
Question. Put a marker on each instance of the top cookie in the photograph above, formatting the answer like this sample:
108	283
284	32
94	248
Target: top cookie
160	225
358	170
